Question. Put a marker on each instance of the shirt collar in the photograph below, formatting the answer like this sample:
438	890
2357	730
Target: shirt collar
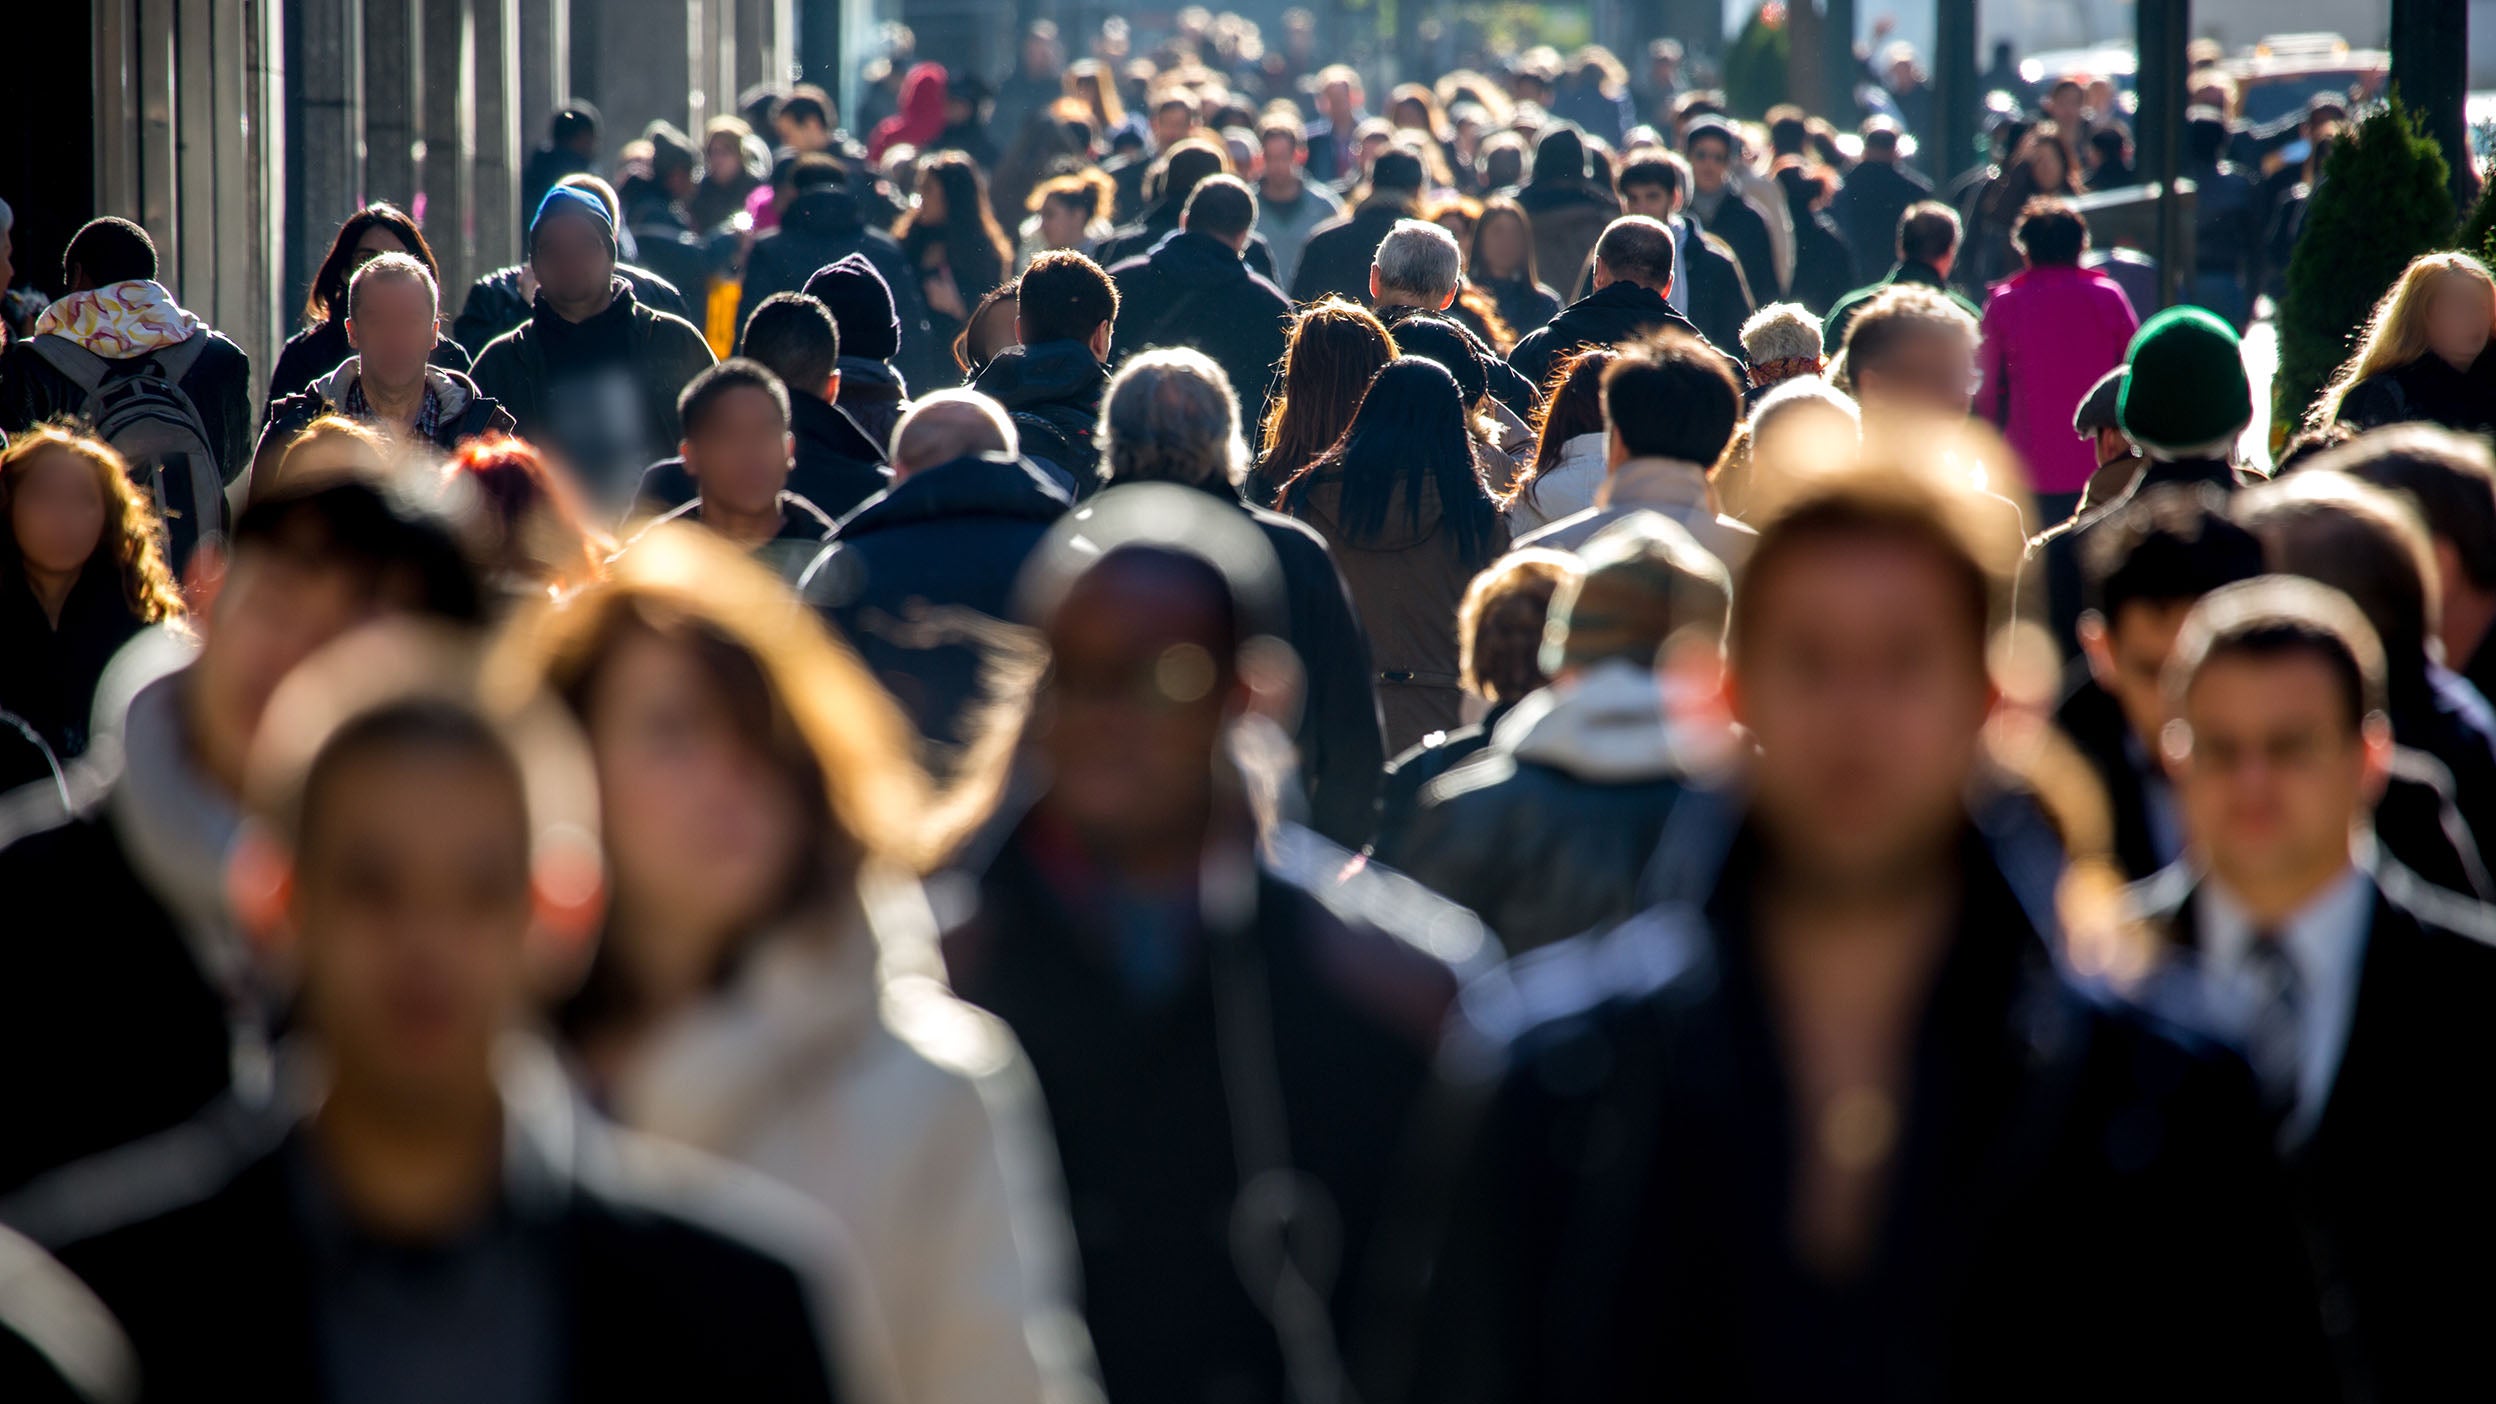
1657	483
2324	938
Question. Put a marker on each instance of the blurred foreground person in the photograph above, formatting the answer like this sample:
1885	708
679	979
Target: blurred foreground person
426	1210
920	579
593	374
2359	992
1546	833
1171	417
81	570
127	978
1829	1124
769	987
1228	1055
389	309
2451	478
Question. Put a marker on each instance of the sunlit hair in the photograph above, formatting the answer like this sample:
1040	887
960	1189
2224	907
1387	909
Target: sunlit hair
1334	349
801	696
132	530
330	445
1095	85
1502	207
1169	416
1002	300
1572	406
533	528
2396	332
1090	190
1499	624
967	216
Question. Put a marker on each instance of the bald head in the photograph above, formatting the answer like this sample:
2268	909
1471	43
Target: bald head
1635	249
947	425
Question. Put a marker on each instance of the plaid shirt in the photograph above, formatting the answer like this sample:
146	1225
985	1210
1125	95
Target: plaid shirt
428	414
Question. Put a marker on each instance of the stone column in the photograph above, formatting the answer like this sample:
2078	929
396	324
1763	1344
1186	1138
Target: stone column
324	133
393	54
450	137
545	67
497	213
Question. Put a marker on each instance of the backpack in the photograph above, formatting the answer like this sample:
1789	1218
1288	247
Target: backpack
139	407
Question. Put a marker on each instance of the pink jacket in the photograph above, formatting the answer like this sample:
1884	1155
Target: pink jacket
2050	332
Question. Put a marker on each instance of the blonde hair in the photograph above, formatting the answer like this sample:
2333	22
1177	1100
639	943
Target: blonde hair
2396	332
132	531
372	452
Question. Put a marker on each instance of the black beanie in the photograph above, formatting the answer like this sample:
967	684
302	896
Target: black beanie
862	307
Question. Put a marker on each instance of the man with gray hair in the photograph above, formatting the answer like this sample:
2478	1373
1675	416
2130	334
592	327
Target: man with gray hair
1170	417
390	382
921	576
1417	272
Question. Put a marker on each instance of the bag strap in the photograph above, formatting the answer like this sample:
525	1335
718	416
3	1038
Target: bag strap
84	368
176	360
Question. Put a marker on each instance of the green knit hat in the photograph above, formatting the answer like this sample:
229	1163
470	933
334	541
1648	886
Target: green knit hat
1645	579
2187	389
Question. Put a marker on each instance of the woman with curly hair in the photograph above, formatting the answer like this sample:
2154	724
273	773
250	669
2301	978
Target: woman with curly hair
82	568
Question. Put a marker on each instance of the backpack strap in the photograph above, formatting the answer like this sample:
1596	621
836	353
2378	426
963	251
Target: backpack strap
177	360
84	368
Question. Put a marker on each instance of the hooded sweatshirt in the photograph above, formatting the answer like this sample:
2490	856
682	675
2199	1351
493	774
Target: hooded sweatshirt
922	115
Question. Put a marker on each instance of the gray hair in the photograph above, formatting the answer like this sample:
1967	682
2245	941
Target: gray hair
1169	416
1781	331
1419	259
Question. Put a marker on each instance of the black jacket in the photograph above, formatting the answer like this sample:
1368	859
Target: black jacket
1824	267
1053	391
49	674
552	375
822	227
1504	381
1612	315
1159	221
1337	258
1568	213
803	530
1524	306
676	1278
2427	389
1144	1097
2396	1211
1399	793
466	413
2051	570
2081	1204
837	467
2415	820
921	579
316	351
1191	290
1868	207
1545	833
1340	741
494	305
1745	231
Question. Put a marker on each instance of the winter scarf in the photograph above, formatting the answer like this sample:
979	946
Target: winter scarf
120	320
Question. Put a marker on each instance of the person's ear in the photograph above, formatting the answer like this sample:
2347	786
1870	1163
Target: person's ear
351	343
1022	330
684	452
1098	342
1377	289
568	903
260	892
2375	736
2097	647
831	387
1449	300
788	446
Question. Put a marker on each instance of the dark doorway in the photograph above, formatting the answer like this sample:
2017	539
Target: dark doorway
47	173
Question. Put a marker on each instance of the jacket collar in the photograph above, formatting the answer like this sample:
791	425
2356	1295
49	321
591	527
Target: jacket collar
1658	484
980	485
451	389
1051	372
828	428
1606	727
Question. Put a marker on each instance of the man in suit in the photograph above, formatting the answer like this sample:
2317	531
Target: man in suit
422	1206
1827	1123
2359	992
2151	561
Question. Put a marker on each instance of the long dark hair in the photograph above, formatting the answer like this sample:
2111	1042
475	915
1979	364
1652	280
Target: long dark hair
1408	436
975	247
329	286
1334	349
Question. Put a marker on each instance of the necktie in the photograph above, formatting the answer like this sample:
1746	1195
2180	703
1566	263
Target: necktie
2275	1030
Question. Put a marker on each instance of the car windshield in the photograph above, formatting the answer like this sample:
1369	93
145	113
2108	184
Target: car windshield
2269	99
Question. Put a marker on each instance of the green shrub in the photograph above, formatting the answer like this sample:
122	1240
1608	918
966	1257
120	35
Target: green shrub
2478	228
2383	201
1755	67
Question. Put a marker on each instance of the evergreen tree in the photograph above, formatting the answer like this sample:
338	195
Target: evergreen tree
2383	200
1755	67
2478	228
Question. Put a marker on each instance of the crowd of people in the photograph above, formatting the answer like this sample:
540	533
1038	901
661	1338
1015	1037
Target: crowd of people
1550	745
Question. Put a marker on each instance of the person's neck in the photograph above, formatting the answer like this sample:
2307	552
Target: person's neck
396	406
51	589
584	309
2461	366
2273	899
1283	185
743	527
2469	616
408	1171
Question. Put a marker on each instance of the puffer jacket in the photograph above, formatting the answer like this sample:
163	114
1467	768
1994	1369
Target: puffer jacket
837	1061
1405	586
1546	832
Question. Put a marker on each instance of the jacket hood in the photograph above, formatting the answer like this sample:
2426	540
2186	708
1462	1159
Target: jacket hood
864	379
826	429
826	213
1605	726
120	320
979	485
1049	373
456	391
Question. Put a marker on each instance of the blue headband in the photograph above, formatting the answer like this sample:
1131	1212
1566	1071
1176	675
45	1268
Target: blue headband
571	199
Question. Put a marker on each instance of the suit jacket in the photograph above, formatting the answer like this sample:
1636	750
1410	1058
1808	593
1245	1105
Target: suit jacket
2391	1185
